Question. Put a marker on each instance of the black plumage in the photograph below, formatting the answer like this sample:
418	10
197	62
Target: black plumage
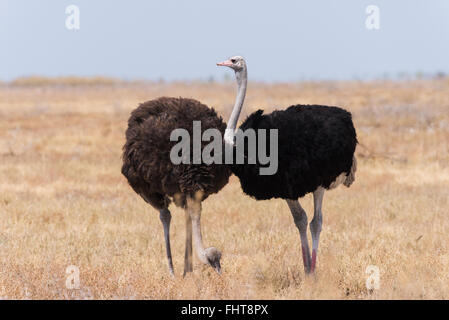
315	151
316	144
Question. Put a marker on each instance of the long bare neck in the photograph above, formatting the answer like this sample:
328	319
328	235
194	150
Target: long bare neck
242	79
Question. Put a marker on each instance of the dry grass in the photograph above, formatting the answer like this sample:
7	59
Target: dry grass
64	202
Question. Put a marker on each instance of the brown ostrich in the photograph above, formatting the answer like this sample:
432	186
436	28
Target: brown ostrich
152	174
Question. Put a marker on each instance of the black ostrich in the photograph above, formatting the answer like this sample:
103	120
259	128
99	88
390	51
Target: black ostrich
151	173
316	147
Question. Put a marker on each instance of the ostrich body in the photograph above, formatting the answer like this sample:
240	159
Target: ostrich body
316	146
152	175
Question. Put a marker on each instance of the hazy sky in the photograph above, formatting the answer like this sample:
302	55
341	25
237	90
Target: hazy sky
281	40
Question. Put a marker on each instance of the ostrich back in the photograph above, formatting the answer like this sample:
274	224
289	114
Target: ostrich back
315	145
146	153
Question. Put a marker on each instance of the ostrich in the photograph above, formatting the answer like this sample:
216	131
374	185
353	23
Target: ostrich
152	175
316	147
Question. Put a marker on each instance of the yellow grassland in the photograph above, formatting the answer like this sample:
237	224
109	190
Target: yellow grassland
63	200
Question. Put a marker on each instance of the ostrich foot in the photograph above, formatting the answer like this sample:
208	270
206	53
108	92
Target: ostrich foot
188	267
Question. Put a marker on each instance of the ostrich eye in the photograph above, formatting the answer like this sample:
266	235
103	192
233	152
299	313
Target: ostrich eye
233	60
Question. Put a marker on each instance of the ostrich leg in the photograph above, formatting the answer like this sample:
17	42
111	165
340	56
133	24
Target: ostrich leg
209	255
300	218
165	216
194	211
315	224
188	267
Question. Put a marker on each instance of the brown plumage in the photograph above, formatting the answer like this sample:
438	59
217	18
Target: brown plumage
151	173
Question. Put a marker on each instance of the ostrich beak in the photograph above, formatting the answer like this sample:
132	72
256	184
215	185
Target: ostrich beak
226	63
217	267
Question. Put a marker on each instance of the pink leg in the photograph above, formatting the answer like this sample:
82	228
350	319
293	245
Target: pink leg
312	267
306	259
300	218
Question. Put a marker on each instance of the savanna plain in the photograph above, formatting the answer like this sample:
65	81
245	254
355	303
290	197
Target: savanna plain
64	202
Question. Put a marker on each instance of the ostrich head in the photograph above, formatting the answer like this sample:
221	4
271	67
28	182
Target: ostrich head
213	256
237	63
